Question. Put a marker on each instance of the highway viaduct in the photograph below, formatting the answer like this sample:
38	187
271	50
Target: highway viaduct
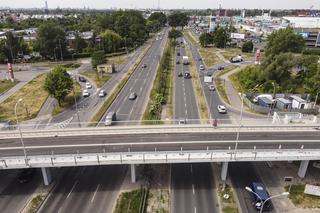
157	145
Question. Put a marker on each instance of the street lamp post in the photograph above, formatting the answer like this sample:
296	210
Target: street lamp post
271	197
76	103
21	138
240	125
315	102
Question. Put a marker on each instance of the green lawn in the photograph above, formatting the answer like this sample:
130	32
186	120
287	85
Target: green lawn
33	95
302	200
97	78
209	56
190	37
69	100
6	85
118	60
228	53
130	202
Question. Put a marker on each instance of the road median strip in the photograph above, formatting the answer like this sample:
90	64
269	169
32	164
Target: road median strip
116	91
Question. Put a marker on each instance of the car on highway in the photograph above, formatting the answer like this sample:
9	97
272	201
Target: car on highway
200	59
180	74
85	93
182	121
209	74
144	66
132	96
178	54
212	88
187	75
220	68
102	93
26	175
82	79
88	85
111	116
177	62
222	109
201	67
260	194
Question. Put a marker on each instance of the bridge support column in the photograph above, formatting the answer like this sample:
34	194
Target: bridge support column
133	173
47	178
303	168
224	171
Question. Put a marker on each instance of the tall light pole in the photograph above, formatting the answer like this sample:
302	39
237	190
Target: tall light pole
315	102
21	138
240	125
263	202
76	103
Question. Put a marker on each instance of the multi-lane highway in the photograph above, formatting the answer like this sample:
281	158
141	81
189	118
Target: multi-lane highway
161	142
140	83
193	189
85	189
185	105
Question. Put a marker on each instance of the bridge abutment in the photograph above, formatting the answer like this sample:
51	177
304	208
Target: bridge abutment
47	177
303	168
224	171
133	173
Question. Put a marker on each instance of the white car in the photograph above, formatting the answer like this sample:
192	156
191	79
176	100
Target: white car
201	67
85	93
212	88
88	85
102	93
221	109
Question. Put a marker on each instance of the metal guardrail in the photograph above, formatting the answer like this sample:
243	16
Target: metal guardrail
158	157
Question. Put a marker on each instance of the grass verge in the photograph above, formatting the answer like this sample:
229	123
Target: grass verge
302	200
161	93
220	83
191	38
118	60
100	80
197	87
228	205
36	203
228	53
132	202
97	117
69	100
6	85
209	56
33	95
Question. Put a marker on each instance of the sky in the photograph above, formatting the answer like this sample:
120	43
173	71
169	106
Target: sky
166	4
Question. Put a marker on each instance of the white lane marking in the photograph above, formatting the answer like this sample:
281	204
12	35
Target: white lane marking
193	192
74	185
191	169
195	209
60	210
94	195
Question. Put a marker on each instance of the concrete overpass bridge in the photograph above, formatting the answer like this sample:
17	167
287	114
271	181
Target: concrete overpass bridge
158	144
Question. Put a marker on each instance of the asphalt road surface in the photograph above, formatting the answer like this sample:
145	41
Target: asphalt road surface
85	189
192	189
148	142
185	105
140	82
242	175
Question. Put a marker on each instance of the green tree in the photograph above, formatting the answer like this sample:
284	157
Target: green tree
178	19
247	47
205	39
97	58
174	34
111	41
58	83
153	26
221	37
51	41
79	44
160	17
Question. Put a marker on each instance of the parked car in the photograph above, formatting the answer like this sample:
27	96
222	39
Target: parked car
212	88
88	85
82	79
85	93
102	93
132	96
180	74
26	175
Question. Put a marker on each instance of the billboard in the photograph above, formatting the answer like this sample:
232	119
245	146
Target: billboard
238	35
